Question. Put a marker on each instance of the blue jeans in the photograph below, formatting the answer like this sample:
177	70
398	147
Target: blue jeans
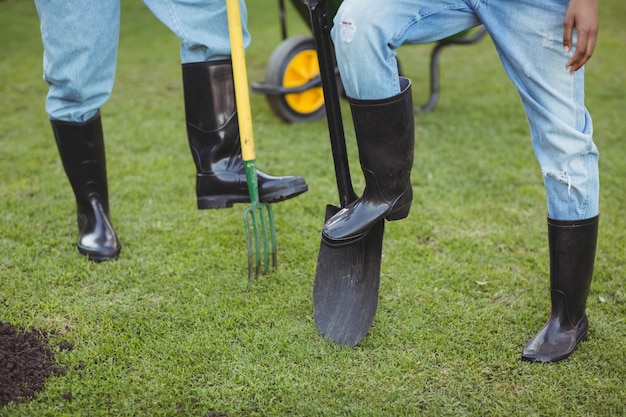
528	38
80	39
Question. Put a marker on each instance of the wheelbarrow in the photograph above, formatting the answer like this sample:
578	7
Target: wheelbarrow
292	85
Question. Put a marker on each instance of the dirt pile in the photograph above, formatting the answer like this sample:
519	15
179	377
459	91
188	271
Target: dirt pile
25	363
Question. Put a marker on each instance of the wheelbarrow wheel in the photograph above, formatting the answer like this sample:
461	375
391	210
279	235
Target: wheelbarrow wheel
292	64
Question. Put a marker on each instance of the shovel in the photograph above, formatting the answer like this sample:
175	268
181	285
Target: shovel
347	278
257	217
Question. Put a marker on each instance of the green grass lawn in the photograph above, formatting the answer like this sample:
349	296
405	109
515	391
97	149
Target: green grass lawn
174	328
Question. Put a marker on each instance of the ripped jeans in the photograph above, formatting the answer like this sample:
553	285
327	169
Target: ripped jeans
528	38
80	40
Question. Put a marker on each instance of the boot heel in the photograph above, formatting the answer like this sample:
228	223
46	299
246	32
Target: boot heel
218	201
399	213
402	206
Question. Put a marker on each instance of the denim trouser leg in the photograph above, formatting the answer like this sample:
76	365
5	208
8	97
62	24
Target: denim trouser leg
80	54
367	32
80	40
202	27
553	99
528	36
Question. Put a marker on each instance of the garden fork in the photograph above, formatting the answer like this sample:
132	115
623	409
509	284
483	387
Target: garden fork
258	217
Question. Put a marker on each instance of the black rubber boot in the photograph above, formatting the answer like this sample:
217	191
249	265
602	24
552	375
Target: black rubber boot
81	147
572	254
213	133
385	134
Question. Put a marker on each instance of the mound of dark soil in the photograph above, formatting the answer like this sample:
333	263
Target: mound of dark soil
25	363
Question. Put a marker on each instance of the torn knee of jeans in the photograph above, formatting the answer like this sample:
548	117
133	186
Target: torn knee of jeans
549	41
347	30
562	177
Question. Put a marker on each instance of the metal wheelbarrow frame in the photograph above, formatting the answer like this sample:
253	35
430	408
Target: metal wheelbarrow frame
293	86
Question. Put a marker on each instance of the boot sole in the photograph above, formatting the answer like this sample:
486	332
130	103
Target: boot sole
98	257
226	201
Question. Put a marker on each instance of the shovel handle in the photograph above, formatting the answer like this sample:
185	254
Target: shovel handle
325	54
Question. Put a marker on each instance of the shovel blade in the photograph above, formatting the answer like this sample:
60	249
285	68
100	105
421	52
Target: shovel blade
345	291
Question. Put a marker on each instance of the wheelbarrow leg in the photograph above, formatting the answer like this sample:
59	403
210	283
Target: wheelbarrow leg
434	66
283	19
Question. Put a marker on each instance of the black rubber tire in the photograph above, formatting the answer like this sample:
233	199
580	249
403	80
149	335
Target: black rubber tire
278	64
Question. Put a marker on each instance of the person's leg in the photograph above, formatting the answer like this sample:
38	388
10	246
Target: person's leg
366	34
201	26
80	51
211	113
528	36
529	42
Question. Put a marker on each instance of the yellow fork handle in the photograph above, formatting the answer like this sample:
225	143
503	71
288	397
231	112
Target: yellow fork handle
241	80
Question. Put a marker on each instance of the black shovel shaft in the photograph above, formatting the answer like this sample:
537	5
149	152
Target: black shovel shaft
347	278
323	45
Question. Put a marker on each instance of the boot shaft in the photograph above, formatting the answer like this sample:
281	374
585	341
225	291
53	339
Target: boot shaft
385	133
82	152
211	114
209	94
572	256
